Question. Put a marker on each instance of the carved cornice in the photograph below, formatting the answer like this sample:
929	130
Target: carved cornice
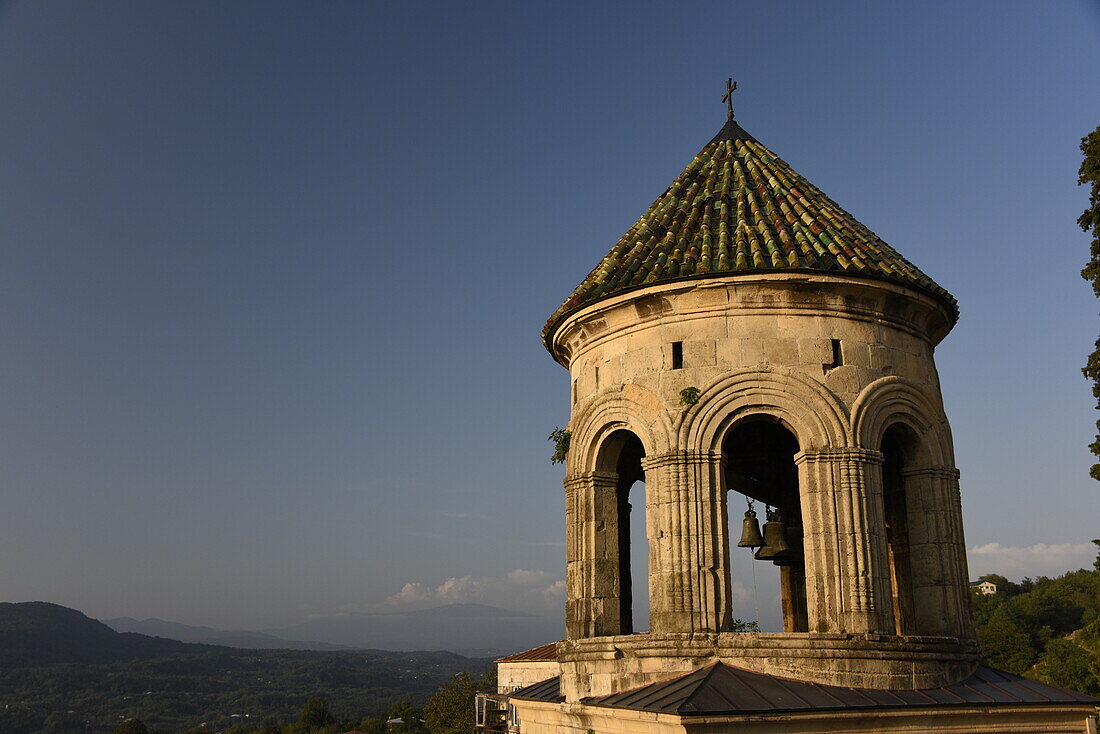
683	458
938	472
837	455
617	316
588	479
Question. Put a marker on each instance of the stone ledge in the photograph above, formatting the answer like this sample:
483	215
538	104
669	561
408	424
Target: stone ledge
602	665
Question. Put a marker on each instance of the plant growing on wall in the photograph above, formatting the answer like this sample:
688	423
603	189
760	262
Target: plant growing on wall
689	395
560	437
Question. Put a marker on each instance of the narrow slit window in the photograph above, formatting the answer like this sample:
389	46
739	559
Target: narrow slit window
838	356
677	355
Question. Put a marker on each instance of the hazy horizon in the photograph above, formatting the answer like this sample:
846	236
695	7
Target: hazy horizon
275	274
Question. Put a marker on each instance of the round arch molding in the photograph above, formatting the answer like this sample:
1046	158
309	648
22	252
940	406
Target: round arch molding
637	411
892	400
810	411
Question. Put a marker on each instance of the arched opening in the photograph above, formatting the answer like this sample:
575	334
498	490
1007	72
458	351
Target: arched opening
760	465
621	454
899	445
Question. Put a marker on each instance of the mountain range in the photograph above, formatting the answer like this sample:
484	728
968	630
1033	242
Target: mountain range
40	633
454	627
468	629
211	636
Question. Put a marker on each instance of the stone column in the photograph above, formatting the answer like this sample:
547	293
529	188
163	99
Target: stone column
689	542
957	541
938	551
847	567
591	556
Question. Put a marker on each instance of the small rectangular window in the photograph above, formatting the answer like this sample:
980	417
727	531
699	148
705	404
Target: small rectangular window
677	355
838	357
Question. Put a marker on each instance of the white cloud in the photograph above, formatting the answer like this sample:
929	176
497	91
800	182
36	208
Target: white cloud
412	593
744	605
555	590
539	592
1016	562
529	578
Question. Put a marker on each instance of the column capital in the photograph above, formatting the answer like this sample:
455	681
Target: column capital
593	478
939	472
682	458
839	454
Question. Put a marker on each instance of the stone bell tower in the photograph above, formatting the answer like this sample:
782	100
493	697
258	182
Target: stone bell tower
749	338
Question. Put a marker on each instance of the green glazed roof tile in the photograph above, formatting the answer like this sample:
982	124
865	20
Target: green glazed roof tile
739	208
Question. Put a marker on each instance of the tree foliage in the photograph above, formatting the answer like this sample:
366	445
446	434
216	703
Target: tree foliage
560	437
132	726
410	716
1089	174
315	714
372	725
1006	645
451	709
1046	629
1070	666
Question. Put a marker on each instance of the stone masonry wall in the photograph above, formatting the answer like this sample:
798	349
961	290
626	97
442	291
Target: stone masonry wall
837	360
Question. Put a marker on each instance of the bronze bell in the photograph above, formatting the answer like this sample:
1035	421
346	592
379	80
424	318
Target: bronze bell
793	555
750	531
794	536
775	539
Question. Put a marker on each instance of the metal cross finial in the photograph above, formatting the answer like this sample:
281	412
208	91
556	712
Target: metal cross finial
728	97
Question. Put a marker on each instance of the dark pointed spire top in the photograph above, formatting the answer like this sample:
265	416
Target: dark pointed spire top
728	97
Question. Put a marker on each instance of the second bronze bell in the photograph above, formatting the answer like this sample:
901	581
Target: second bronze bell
775	539
792	556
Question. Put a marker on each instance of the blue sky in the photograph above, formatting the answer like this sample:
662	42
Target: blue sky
274	272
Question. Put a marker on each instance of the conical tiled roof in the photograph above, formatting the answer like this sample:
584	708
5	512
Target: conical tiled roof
739	208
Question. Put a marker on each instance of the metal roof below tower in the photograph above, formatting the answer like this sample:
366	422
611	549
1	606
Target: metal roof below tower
542	653
723	689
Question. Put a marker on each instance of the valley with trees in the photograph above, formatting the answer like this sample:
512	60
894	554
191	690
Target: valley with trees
61	671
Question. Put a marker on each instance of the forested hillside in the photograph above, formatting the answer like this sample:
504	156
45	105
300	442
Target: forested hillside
38	633
1046	629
